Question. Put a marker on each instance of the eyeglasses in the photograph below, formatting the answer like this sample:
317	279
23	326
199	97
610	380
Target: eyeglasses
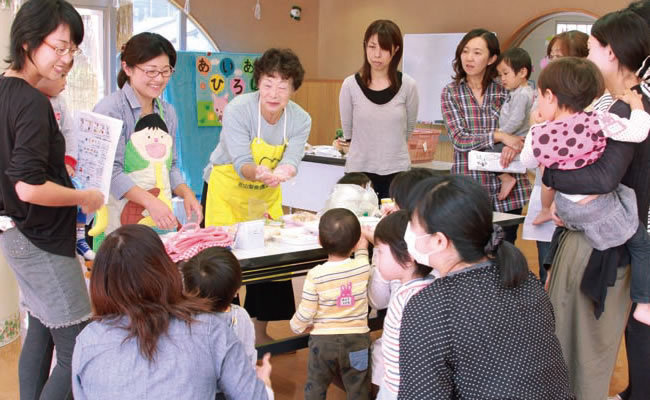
62	51
152	73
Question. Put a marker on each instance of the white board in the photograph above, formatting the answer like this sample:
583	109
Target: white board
427	59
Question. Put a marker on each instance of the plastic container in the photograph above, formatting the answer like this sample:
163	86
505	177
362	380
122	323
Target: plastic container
422	144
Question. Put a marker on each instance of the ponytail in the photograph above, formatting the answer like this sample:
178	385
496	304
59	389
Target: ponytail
513	267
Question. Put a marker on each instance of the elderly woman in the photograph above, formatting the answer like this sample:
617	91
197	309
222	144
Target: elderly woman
261	144
485	328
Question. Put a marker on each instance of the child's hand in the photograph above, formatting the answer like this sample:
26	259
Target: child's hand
264	370
70	170
362	244
633	98
368	233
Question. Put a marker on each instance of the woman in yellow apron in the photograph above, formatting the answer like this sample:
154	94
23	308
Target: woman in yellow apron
148	61
261	144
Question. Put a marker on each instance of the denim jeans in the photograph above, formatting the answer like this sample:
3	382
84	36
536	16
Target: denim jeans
36	361
542	251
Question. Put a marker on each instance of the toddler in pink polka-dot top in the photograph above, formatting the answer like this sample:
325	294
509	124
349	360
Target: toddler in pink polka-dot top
571	139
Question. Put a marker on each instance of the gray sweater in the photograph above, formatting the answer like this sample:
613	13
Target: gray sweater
379	132
192	362
240	128
514	117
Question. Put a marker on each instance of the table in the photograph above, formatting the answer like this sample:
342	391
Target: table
281	261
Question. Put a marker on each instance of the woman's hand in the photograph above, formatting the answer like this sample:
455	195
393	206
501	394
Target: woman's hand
284	172
264	175
161	214
516	142
264	370
92	200
192	206
507	155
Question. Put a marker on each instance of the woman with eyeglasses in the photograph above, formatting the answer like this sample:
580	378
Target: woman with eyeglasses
142	165
38	204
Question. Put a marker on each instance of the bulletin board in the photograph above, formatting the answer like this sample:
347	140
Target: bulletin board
195	140
220	77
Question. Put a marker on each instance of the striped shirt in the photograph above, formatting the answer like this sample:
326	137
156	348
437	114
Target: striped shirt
335	298
392	323
471	126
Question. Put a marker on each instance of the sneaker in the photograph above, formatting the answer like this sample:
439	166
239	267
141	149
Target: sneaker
84	250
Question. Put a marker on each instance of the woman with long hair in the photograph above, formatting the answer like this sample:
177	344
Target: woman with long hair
379	108
149	339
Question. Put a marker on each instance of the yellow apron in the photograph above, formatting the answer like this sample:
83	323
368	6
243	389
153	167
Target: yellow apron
231	199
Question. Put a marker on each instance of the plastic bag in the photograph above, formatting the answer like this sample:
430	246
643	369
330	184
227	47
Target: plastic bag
361	201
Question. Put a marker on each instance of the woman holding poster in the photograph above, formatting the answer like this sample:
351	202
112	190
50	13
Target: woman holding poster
261	144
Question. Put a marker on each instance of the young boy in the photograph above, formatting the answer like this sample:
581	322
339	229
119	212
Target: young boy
514	67
334	308
52	89
215	274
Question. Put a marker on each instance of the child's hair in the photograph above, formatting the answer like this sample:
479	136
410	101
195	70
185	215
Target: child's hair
339	231
390	230
460	208
404	182
133	277
517	58
576	82
354	178
572	44
213	274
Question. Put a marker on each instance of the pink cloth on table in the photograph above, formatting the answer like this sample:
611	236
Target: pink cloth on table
191	240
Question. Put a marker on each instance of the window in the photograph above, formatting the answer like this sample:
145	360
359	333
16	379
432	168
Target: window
165	18
573	26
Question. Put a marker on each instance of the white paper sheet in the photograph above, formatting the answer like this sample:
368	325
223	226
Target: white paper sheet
486	161
543	232
97	136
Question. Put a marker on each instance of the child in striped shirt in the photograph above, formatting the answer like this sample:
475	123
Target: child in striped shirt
334	309
395	263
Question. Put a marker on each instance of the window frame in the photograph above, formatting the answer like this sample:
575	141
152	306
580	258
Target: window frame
110	25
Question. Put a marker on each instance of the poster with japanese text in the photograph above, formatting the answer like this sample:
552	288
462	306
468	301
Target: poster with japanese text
97	137
220	77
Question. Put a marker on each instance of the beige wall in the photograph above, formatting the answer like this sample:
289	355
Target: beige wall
232	26
343	22
5	25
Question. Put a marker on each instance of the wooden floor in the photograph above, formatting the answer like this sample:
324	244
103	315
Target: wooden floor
289	370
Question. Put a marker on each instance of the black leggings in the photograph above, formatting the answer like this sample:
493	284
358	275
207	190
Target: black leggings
637	342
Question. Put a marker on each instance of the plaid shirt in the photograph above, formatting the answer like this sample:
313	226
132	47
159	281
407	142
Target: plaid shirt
471	126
